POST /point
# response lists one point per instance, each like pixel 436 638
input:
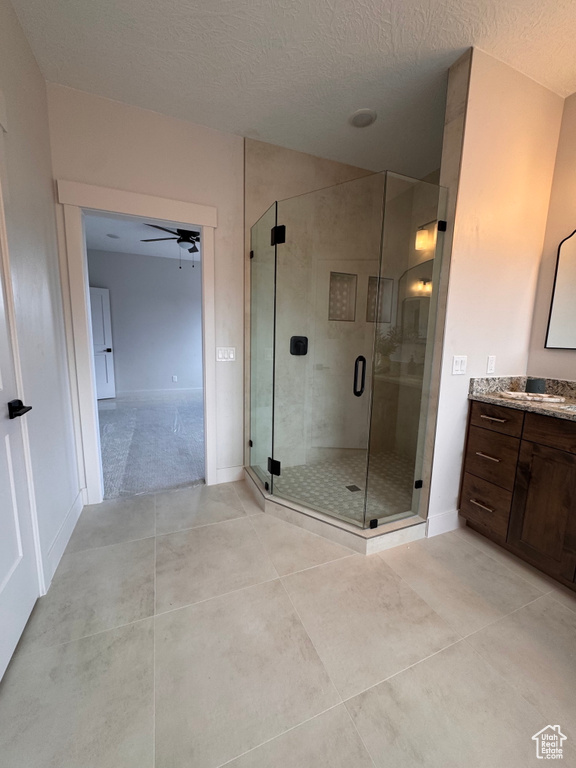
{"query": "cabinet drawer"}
pixel 492 456
pixel 485 503
pixel 498 418
pixel 547 430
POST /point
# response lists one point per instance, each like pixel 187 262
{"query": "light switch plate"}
pixel 491 364
pixel 225 354
pixel 459 363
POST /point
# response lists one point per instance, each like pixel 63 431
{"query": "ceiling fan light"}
pixel 184 244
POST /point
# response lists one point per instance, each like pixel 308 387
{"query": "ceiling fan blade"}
pixel 194 249
pixel 163 229
pixel 156 239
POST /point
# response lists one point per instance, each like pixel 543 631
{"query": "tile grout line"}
pixel 203 525
pixel 264 547
pixel 488 554
pixel 449 622
pixel 216 597
pixel 508 682
pixel 46 648
pixel 359 736
pixel 279 735
pixel 506 616
pixel 400 671
pixel 329 676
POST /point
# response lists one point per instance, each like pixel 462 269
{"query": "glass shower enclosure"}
pixel 343 314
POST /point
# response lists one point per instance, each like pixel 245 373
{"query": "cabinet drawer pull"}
pixel 482 506
pixel 493 418
pixel 485 456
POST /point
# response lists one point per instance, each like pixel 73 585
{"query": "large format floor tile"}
pixel 535 650
pixel 92 591
pixel 246 497
pixel 293 549
pixel 208 561
pixel 449 711
pixel 507 559
pixel 232 673
pixel 327 741
pixel 192 507
pixel 464 585
pixel 113 522
pixel 85 704
pixel 365 623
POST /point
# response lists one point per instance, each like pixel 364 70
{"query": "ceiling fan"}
pixel 183 237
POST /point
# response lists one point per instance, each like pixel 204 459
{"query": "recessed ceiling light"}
pixel 114 237
pixel 362 118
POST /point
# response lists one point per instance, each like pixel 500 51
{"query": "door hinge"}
pixel 418 484
pixel 250 443
pixel 442 226
pixel 274 466
pixel 251 254
pixel 278 234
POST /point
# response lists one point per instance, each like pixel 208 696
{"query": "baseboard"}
pixel 229 474
pixel 54 554
pixel 144 392
pixel 447 521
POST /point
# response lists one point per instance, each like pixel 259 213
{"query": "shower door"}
pixel 262 298
pixel 343 313
pixel 325 273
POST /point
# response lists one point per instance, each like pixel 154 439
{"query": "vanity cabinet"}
pixel 519 485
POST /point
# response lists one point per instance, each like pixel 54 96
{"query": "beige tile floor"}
pixel 189 630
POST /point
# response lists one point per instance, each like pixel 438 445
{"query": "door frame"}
pixel 76 199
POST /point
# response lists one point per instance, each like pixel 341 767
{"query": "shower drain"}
pixel 353 488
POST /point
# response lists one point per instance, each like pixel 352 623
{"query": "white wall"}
pixel 105 143
pixel 156 310
pixel 27 179
pixel 511 133
pixel 556 363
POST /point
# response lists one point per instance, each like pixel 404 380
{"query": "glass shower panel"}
pixel 262 297
pixel 323 293
pixel 405 315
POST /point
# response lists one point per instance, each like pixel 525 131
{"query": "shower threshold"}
pixel 366 541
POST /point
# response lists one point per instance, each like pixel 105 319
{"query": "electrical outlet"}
pixel 174 378
pixel 491 364
pixel 459 365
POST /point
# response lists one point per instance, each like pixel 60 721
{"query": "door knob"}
pixel 17 408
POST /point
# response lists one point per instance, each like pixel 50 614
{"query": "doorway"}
pixel 145 286
pixel 78 200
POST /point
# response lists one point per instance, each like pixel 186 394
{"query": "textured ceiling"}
pixel 290 72
pixel 129 232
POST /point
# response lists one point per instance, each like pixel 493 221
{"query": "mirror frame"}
pixel 559 253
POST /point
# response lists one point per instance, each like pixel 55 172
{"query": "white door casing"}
pixel 102 346
pixel 76 198
pixel 21 579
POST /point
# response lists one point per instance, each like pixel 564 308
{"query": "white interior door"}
pixel 102 343
pixel 19 586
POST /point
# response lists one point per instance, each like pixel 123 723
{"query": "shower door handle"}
pixel 360 361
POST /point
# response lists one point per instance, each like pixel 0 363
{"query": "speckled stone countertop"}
pixel 487 390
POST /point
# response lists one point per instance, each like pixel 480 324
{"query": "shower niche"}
pixel 341 428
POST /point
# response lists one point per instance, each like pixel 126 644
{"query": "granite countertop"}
pixel 488 390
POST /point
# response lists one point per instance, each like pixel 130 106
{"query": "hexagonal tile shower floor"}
pixel 325 486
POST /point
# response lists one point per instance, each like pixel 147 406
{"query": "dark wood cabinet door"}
pixel 543 518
